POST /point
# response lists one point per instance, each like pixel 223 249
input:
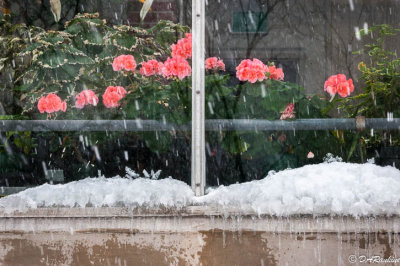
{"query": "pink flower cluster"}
pixel 86 97
pixel 339 84
pixel 124 62
pixel 288 112
pixel 255 70
pixel 176 67
pixel 251 71
pixel 183 48
pixel 213 63
pixel 276 73
pixel 51 103
pixel 151 68
pixel 113 95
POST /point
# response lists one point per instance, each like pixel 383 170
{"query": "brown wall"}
pixel 196 235
pixel 202 248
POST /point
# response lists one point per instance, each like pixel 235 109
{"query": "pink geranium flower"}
pixel 276 73
pixel 124 62
pixel 288 112
pixel 251 71
pixel 86 97
pixel 213 63
pixel 113 95
pixel 51 103
pixel 339 84
pixel 183 48
pixel 176 67
pixel 151 67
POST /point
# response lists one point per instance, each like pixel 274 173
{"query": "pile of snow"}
pixel 330 158
pixel 330 188
pixel 98 192
pixel 335 188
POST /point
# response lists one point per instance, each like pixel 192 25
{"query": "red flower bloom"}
pixel 151 67
pixel 213 152
pixel 51 103
pixel 282 137
pixel 176 66
pixel 124 62
pixel 251 70
pixel 86 97
pixel 339 84
pixel 112 95
pixel 183 48
pixel 288 112
pixel 213 63
pixel 276 73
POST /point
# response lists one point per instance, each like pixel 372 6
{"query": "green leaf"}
pixel 356 139
pixel 234 144
pixel 125 41
pixel 30 48
pixel 74 28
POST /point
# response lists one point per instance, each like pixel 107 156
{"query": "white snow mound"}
pixel 323 189
pixel 329 188
pixel 99 192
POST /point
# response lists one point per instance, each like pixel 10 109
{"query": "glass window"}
pixel 249 21
pixel 85 91
pixel 294 75
pixel 288 83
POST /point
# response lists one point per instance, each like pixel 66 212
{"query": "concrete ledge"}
pixel 195 235
pixel 189 219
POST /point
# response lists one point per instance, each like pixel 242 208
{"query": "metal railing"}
pixel 210 125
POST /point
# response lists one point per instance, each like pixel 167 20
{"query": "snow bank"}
pixel 335 188
pixel 330 188
pixel 102 191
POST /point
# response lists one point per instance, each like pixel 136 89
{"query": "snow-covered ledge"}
pixel 332 196
pixel 187 219
pixel 327 214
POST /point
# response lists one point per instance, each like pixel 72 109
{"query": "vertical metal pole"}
pixel 180 7
pixel 198 99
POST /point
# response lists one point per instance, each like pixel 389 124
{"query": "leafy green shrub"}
pixel 380 95
pixel 80 57
pixel 13 39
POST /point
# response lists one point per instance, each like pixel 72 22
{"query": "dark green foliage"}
pixel 13 39
pixel 380 93
pixel 381 76
pixel 252 154
pixel 80 57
